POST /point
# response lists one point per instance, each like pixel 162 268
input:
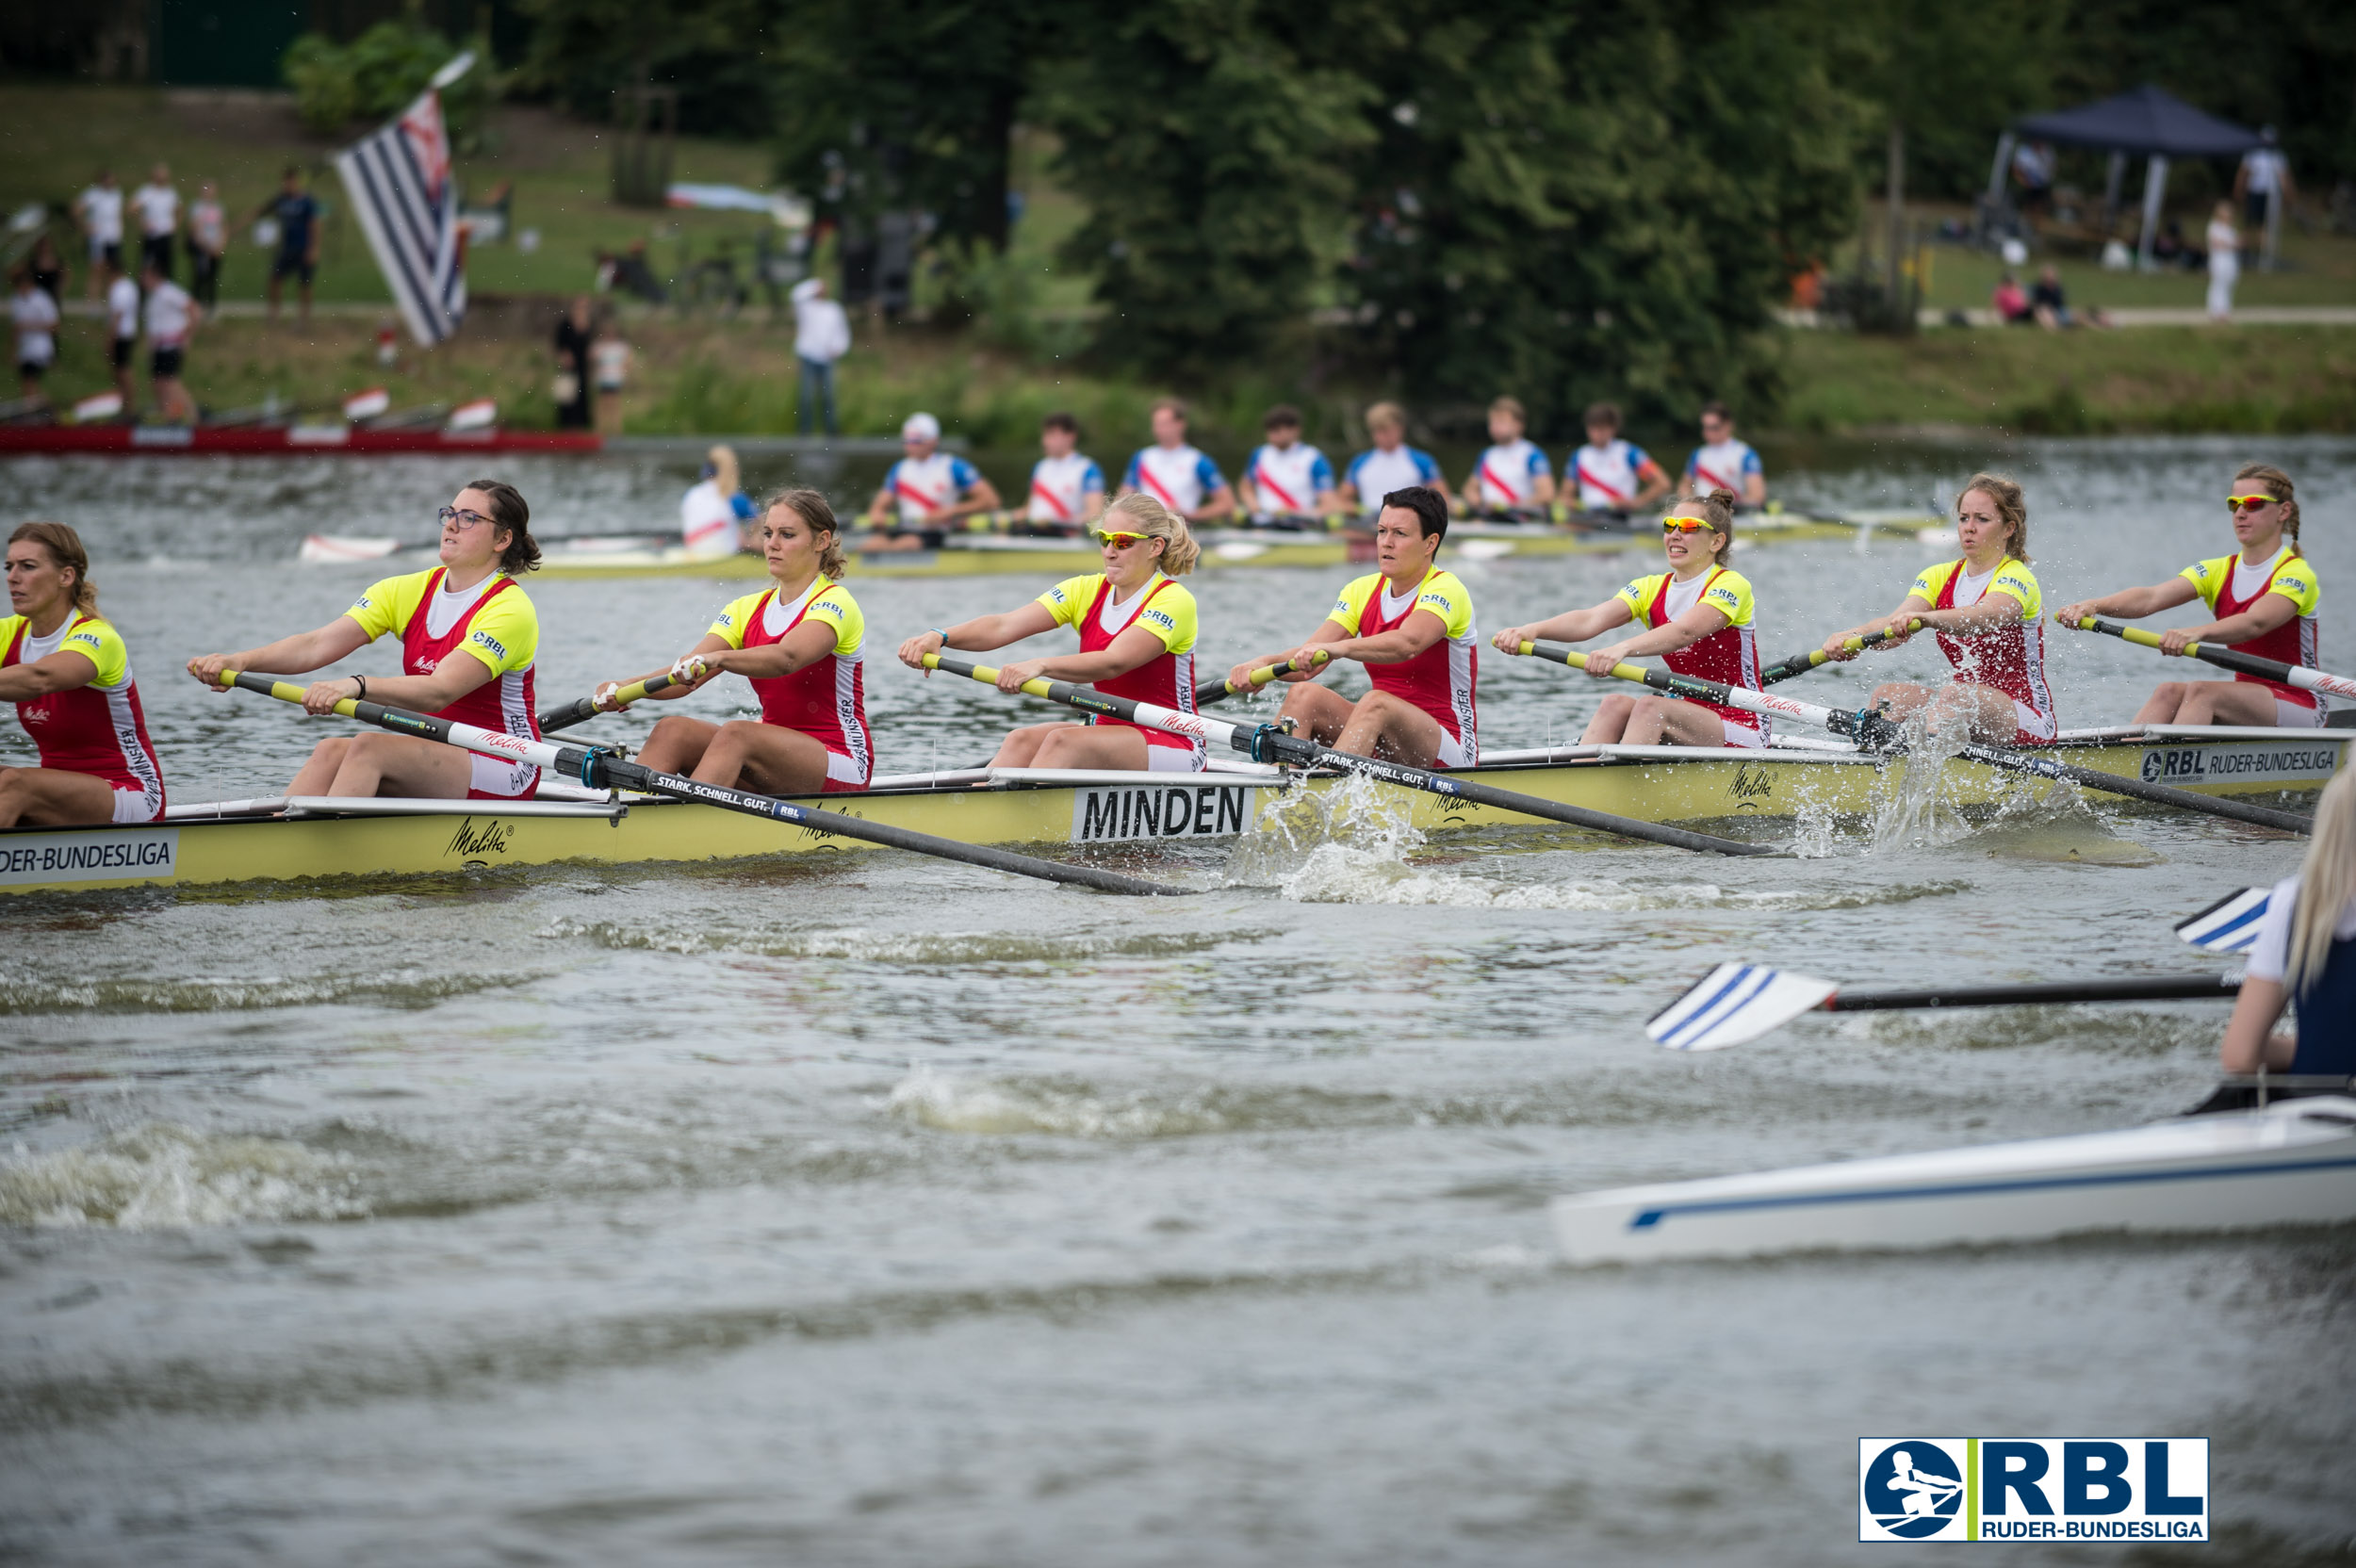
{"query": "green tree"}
pixel 715 53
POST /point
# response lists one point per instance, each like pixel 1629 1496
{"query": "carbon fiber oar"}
pixel 1221 688
pixel 582 709
pixel 1799 663
pixel 2227 659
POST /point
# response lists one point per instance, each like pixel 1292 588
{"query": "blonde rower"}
pixel 2265 596
pixel 70 676
pixel 469 641
pixel 1698 616
pixel 1138 629
pixel 1984 610
pixel 799 641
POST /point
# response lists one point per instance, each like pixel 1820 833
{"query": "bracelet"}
pixel 363 688
pixel 938 632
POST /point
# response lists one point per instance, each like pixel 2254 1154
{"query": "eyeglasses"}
pixel 1107 537
pixel 464 519
pixel 1683 525
pixel 2239 503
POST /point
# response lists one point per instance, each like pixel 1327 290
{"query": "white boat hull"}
pixel 2292 1163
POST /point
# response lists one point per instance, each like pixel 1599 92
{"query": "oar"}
pixel 1221 688
pixel 2226 659
pixel 581 710
pixel 1800 664
pixel 2229 924
pixel 1737 1003
pixel 1876 733
pixel 334 548
pixel 602 770
pixel 1267 744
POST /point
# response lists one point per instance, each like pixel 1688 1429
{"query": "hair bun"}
pixel 1724 496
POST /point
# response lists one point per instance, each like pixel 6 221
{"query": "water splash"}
pixel 162 1176
pixel 915 949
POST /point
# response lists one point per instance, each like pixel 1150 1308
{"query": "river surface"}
pixel 892 1212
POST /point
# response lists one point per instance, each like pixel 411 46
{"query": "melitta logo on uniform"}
pixel 2089 1489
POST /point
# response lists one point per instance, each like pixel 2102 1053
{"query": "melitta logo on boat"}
pixel 2215 764
pixel 123 854
pixel 2089 1489
pixel 1161 811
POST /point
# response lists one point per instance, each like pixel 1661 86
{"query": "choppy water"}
pixel 892 1211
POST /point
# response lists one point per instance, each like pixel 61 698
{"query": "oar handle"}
pixel 1869 727
pixel 1800 664
pixel 1217 690
pixel 581 710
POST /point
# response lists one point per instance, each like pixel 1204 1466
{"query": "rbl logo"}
pixel 2033 1488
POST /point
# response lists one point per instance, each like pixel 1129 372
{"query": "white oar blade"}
pixel 1735 1003
pixel 2229 925
pixel 329 547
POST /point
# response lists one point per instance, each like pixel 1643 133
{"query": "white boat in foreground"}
pixel 2292 1163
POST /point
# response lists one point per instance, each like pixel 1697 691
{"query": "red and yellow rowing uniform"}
pixel 493 623
pixel 2228 588
pixel 1162 608
pixel 1443 679
pixel 101 728
pixel 824 700
pixel 1728 656
pixel 2010 657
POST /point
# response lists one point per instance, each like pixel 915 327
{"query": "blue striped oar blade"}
pixel 1735 1003
pixel 2229 925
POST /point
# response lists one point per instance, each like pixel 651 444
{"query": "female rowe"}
pixel 2306 953
pixel 69 677
pixel 1138 629
pixel 2264 598
pixel 468 638
pixel 1984 610
pixel 799 641
pixel 1699 617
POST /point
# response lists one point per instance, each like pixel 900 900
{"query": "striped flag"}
pixel 403 192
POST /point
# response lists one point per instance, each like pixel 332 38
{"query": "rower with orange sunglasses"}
pixel 2263 597
pixel 1698 617
pixel 1138 629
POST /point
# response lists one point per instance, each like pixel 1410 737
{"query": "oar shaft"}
pixel 2156 987
pixel 1221 688
pixel 1866 727
pixel 581 710
pixel 1267 744
pixel 1800 664
pixel 2136 789
pixel 2229 658
pixel 600 770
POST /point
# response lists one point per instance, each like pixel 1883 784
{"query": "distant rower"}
pixel 1512 475
pixel 1287 477
pixel 799 641
pixel 469 638
pixel 1174 473
pixel 1983 609
pixel 930 488
pixel 1137 629
pixel 1611 474
pixel 1410 623
pixel 2265 597
pixel 1722 462
pixel 1391 465
pixel 1066 487
pixel 1698 616
pixel 70 676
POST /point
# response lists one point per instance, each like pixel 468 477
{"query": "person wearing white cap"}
pixel 822 335
pixel 932 489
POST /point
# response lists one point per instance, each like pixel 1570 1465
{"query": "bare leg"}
pixel 1661 721
pixel 52 797
pixel 769 757
pixel 1385 725
pixel 1610 722
pixel 403 765
pixel 2164 703
pixel 676 745
pixel 1319 713
pixel 2226 702
pixel 1021 748
pixel 1111 747
pixel 327 759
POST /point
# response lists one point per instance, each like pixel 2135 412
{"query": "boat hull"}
pixel 1667 784
pixel 2291 1164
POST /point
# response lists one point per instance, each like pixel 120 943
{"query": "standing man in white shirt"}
pixel 159 206
pixel 2263 184
pixel 1066 487
pixel 36 317
pixel 99 212
pixel 1722 462
pixel 1288 478
pixel 171 322
pixel 1174 473
pixel 1610 474
pixel 122 327
pixel 822 335
pixel 1512 475
pixel 208 242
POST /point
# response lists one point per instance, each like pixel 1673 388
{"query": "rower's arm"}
pixel 712 642
pixel 452 678
pixel 984 632
pixel 2271 611
pixel 1696 623
pixel 1091 505
pixel 805 644
pixel 62 671
pixel 300 654
pixel 2134 603
pixel 1542 490
pixel 1575 626
pixel 1909 609
pixel 1217 505
pixel 1996 608
pixel 2250 1041
pixel 1753 489
pixel 983 497
pixel 1133 650
pixel 879 506
pixel 1418 631
pixel 1652 482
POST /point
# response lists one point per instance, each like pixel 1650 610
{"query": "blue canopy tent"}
pixel 2147 122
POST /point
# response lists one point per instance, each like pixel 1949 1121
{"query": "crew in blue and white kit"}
pixel 1066 487
pixel 1176 474
pixel 1287 477
pixel 1390 464
pixel 1512 475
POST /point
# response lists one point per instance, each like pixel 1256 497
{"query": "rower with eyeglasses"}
pixel 2263 596
pixel 1137 629
pixel 1699 617
pixel 471 604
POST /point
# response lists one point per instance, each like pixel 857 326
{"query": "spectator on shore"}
pixel 208 242
pixel 122 328
pixel 2263 172
pixel 2011 301
pixel 822 335
pixel 712 515
pixel 575 332
pixel 98 213
pixel 171 322
pixel 159 206
pixel 297 217
pixel 611 358
pixel 2048 304
pixel 930 488
pixel 1389 464
pixel 47 268
pixel 2033 171
pixel 1722 462
pixel 2224 261
pixel 36 317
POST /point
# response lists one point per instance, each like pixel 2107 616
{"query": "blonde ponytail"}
pixel 2327 880
pixel 2279 485
pixel 1140 513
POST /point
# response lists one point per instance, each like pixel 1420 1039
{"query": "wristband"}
pixel 363 694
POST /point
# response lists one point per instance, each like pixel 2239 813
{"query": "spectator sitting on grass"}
pixel 2012 305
